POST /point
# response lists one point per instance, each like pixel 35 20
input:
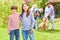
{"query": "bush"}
pixel 5 10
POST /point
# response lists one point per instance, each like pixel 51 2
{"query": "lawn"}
pixel 39 35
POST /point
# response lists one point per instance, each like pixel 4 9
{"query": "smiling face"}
pixel 25 7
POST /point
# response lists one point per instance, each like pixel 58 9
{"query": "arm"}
pixel 51 10
pixel 32 21
pixel 48 15
pixel 36 14
pixel 9 20
pixel 20 16
pixel 47 12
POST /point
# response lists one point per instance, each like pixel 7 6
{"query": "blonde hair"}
pixel 41 9
pixel 35 5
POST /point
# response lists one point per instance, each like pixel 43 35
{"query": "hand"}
pixel 31 31
pixel 36 14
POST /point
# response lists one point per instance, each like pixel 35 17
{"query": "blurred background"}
pixel 6 4
pixel 5 10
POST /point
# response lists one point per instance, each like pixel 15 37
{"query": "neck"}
pixel 25 11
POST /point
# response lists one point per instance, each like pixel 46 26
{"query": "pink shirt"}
pixel 13 22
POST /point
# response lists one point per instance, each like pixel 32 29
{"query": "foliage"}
pixel 40 3
pixel 57 10
pixel 38 34
pixel 5 10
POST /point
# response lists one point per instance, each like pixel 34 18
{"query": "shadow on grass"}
pixel 49 31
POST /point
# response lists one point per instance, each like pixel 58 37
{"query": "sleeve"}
pixel 45 9
pixel 50 10
pixel 20 18
pixel 9 20
pixel 32 20
pixel 45 12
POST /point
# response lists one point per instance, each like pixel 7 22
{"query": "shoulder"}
pixel 52 6
pixel 9 17
pixel 31 13
pixel 46 8
pixel 18 14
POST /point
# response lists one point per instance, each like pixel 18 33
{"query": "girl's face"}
pixel 25 7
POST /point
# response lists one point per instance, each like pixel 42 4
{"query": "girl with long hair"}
pixel 27 22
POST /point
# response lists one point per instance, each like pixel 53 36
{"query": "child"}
pixel 27 22
pixel 13 24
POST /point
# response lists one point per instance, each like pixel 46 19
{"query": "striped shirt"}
pixel 13 22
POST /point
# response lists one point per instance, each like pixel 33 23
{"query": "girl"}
pixel 27 22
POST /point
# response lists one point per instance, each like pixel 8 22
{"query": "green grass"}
pixel 38 34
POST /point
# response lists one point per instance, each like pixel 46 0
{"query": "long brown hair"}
pixel 28 12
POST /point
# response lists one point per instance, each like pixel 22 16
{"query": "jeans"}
pixel 26 34
pixel 52 21
pixel 36 23
pixel 14 33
